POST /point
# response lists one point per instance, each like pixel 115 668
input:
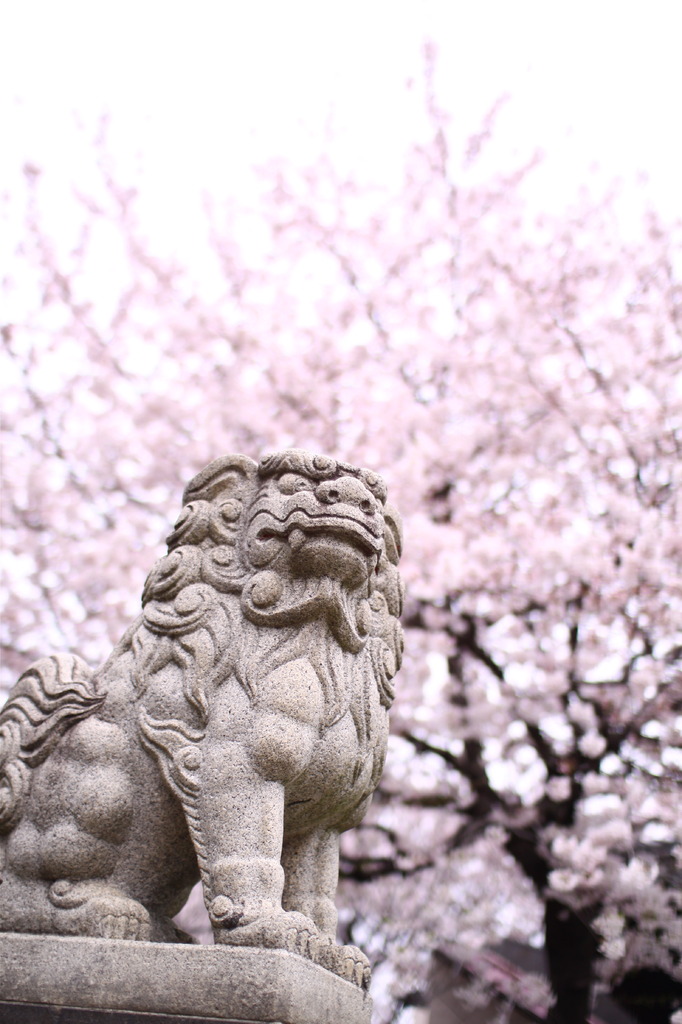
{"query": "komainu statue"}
pixel 238 727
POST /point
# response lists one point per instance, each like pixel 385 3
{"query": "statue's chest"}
pixel 343 772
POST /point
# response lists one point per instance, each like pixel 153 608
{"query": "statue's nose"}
pixel 346 491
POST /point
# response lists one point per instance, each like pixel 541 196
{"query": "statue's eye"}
pixel 289 483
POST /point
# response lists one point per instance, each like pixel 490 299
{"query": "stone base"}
pixel 64 980
pixel 40 1013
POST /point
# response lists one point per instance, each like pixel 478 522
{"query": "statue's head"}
pixel 297 536
pixel 313 516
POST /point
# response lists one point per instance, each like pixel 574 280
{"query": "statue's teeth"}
pixel 296 539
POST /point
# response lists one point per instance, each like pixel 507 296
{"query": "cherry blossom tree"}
pixel 518 380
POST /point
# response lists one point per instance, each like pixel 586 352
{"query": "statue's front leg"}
pixel 311 868
pixel 240 810
pixel 311 874
pixel 238 835
pixel 231 780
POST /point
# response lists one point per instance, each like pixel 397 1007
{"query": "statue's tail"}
pixel 51 695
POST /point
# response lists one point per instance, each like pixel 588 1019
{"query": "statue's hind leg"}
pixel 98 908
pixel 60 857
pixel 31 901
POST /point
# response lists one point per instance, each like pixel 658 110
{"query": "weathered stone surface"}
pixel 237 729
pixel 259 985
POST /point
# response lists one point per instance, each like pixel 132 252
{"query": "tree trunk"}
pixel 571 952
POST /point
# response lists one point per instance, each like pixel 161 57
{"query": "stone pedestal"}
pixel 47 979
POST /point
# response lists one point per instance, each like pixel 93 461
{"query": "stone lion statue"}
pixel 237 729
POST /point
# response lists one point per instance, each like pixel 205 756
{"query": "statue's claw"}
pixel 123 926
pixel 348 962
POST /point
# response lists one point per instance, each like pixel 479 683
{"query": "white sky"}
pixel 200 90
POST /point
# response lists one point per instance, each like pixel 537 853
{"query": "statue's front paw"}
pixel 276 930
pixel 348 962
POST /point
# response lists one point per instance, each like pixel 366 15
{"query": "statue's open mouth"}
pixel 301 526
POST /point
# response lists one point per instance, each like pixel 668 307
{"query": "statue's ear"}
pixel 230 476
pixel 393 534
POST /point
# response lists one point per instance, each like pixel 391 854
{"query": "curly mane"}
pixel 196 614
